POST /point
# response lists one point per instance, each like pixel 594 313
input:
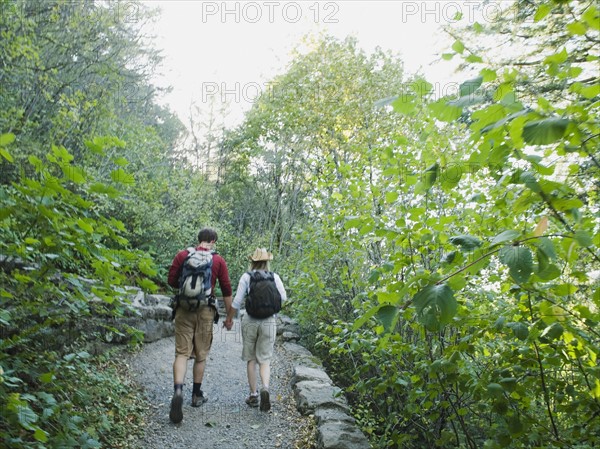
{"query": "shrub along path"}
pixel 225 421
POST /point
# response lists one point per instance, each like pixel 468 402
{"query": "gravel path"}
pixel 225 421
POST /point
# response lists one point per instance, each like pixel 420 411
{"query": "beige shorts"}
pixel 258 338
pixel 194 332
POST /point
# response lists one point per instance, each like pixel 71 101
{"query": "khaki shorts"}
pixel 258 338
pixel 194 332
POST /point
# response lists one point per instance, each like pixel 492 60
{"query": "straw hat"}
pixel 261 254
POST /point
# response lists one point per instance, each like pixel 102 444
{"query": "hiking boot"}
pixel 198 400
pixel 265 402
pixel 252 400
pixel 176 414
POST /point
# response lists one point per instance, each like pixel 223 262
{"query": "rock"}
pixel 301 355
pixel 287 324
pixel 155 300
pixel 137 298
pixel 341 435
pixel 155 330
pixel 324 414
pixel 290 336
pixel 303 373
pixel 296 350
pixel 311 394
pixel 160 312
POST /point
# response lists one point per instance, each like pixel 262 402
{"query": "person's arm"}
pixel 240 294
pixel 175 270
pixel 221 273
pixel 280 287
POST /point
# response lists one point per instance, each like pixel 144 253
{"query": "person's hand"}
pixel 228 323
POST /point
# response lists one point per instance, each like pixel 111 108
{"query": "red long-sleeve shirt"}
pixel 219 271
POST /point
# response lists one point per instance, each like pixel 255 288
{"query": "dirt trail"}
pixel 225 421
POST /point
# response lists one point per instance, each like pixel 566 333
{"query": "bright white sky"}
pixel 233 48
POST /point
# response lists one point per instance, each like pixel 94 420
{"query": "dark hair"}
pixel 207 235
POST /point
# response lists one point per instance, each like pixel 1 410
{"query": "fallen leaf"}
pixel 541 227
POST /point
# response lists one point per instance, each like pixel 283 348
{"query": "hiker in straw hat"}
pixel 264 293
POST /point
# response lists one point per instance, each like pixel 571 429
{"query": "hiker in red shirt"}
pixel 194 326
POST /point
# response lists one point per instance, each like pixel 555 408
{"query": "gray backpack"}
pixel 195 281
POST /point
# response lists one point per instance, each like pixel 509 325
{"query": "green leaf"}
pixel 467 100
pixel 374 276
pixel 85 226
pixel 530 181
pixel 6 139
pixel 95 146
pixel 430 175
pixel 546 131
pixel 391 197
pixel 421 87
pixel 107 190
pixel 36 162
pixel 506 236
pixel 387 315
pixel 447 56
pixel 147 267
pixel 474 59
pixel 520 330
pixel 499 323
pixel 509 383
pixel 592 17
pixel 147 285
pixel 451 176
pixel 590 92
pixel 458 46
pixel 457 283
pixel 435 306
pixel 553 332
pixel 488 115
pixel 62 153
pixel 366 316
pixel 470 86
pixel 26 416
pixel 577 28
pixel 583 238
pixel 122 176
pixel 548 273
pixel 353 223
pixel 405 104
pixel 6 155
pixel 74 174
pixel 47 377
pixel 495 390
pixel 542 11
pixel 564 289
pixel 466 242
pixel 444 111
pixel 557 58
pixel 488 75
pixel 121 161
pixel 40 435
pixel 519 261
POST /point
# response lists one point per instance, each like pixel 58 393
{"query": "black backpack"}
pixel 263 300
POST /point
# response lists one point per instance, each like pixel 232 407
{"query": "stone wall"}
pixel 317 395
pixel 151 315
